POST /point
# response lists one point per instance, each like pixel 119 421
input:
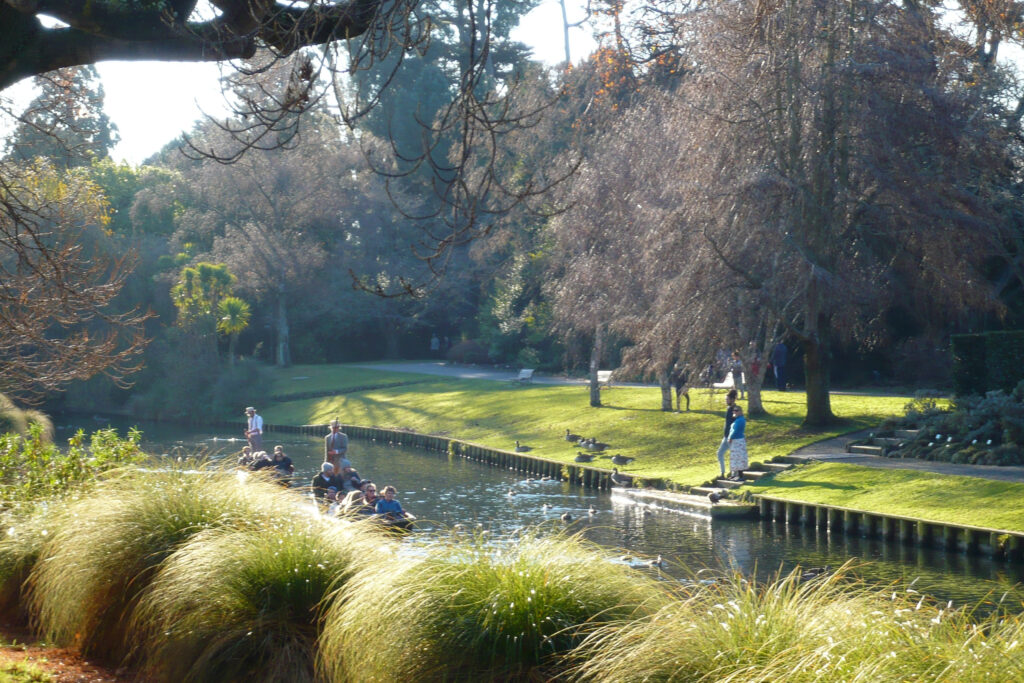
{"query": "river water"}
pixel 444 491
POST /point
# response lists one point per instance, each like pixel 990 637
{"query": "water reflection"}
pixel 445 492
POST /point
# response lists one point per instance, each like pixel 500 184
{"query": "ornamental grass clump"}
pixel 829 628
pixel 104 549
pixel 21 540
pixel 469 611
pixel 234 605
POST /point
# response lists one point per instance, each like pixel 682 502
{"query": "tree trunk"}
pixel 595 365
pixel 565 33
pixel 665 382
pixel 284 353
pixel 232 345
pixel 816 378
pixel 392 348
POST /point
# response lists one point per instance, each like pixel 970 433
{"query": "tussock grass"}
pixel 828 629
pixel 234 605
pixel 105 547
pixel 473 612
pixel 22 536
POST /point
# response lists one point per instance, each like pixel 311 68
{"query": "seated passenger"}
pixel 323 481
pixel 349 479
pixel 388 507
pixel 261 459
pixel 333 502
pixel 245 458
pixel 282 463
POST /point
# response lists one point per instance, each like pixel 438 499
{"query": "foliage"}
pixel 234 604
pixel 23 672
pixel 107 546
pixel 976 430
pixel 468 351
pixel 470 611
pixel 989 361
pixel 830 628
pixel 32 467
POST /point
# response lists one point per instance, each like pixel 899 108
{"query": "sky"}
pixel 153 102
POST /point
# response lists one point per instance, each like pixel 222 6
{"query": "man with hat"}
pixel 335 445
pixel 254 429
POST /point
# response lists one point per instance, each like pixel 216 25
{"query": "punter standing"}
pixel 335 446
pixel 254 430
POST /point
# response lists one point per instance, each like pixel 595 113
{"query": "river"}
pixel 444 491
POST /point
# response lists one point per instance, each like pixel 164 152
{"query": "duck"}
pixel 714 497
pixel 572 438
pixel 814 572
pixel 619 459
pixel 520 448
pixel 584 457
pixel 511 492
pixel 619 479
pixel 566 517
pixel 592 511
pixel 593 444
pixel 545 506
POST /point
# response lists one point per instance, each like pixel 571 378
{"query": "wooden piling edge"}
pixel 999 544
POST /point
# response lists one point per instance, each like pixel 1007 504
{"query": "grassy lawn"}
pixel 961 500
pixel 302 379
pixel 676 446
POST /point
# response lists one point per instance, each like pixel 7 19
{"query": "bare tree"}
pixel 58 283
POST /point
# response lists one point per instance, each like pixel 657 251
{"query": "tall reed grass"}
pixel 234 605
pixel 21 541
pixel 469 611
pixel 106 547
pixel 828 629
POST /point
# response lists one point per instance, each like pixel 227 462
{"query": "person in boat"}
pixel 388 507
pixel 245 459
pixel 333 501
pixel 349 478
pixel 261 460
pixel 335 446
pixel 323 481
pixel 282 463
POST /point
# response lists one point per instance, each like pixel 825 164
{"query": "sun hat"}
pixel 250 409
pixel 327 467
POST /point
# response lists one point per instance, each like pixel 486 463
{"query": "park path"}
pixel 827 450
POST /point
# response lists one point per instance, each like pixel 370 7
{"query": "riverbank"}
pixel 676 447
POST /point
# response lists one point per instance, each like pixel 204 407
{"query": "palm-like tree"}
pixel 234 315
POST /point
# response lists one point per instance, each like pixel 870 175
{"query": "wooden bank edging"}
pixel 995 543
pixel 589 477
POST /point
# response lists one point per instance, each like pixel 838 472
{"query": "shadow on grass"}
pixel 789 484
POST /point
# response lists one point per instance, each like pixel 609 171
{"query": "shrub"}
pixel 826 629
pixel 105 548
pixel 32 467
pixel 468 351
pixel 234 605
pixel 470 612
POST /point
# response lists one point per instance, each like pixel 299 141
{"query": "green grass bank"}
pixel 677 447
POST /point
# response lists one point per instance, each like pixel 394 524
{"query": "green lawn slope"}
pixel 679 447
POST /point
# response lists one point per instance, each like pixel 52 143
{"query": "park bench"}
pixel 727 383
pixel 604 378
pixel 525 375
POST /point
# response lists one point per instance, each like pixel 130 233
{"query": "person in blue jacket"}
pixel 389 507
pixel 738 444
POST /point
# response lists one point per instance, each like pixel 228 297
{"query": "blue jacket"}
pixel 392 507
pixel 739 425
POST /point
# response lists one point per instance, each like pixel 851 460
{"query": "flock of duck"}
pixel 596 447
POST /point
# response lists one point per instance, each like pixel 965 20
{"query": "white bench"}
pixel 525 375
pixel 604 378
pixel 727 383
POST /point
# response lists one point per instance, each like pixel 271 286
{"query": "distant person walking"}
pixel 730 402
pixel 738 379
pixel 435 346
pixel 779 365
pixel 737 444
pixel 335 446
pixel 254 430
pixel 679 379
